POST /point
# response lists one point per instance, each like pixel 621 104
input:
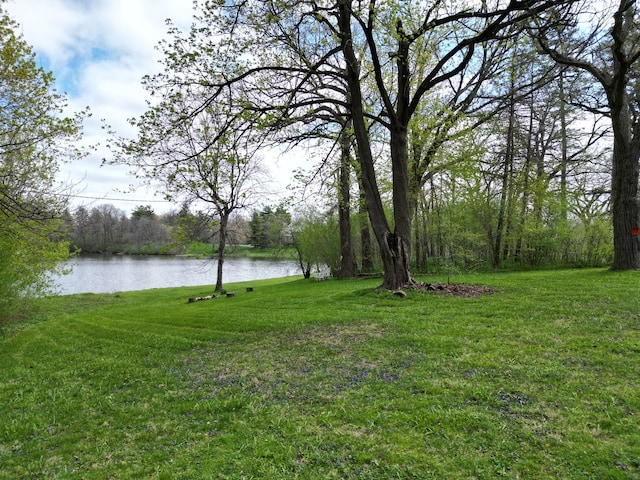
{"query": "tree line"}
pixel 105 229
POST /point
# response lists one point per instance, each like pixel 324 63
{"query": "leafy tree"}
pixel 142 211
pixel 200 158
pixel 609 49
pixel 191 227
pixel 34 137
pixel 317 242
pixel 360 58
pixel 269 227
pixel 147 234
pixel 404 33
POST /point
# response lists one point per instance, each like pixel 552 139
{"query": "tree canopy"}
pixel 373 64
pixel 35 136
pixel 607 47
pixel 433 108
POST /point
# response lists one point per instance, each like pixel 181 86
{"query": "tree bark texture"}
pixel 394 246
pixel 347 260
pixel 626 147
pixel 224 221
pixel 624 195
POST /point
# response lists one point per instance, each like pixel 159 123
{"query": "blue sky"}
pixel 99 50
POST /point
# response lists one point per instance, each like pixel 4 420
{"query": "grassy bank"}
pixel 329 380
pixel 206 250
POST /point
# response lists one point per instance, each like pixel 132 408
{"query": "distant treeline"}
pixel 455 240
pixel 107 229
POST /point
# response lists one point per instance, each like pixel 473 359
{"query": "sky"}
pixel 99 50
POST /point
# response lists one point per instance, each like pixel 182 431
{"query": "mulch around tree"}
pixel 453 289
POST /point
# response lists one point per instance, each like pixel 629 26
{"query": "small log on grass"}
pixel 249 289
pixel 197 299
pixel 231 294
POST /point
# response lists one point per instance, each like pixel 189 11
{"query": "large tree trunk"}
pixel 626 145
pixel 399 242
pixel 366 264
pixel 394 246
pixel 624 195
pixel 624 174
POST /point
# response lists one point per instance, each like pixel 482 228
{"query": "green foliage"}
pixel 27 256
pixel 317 240
pixel 270 227
pixel 329 380
pixel 191 227
pixel 200 249
pixel 142 211
pixel 206 250
pixel 34 137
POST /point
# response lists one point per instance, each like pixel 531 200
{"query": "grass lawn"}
pixel 330 380
pixel 231 251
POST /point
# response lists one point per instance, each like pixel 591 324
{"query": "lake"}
pixel 118 273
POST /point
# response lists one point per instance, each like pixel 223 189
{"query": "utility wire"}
pixel 86 197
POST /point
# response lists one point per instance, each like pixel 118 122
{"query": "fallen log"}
pixel 197 299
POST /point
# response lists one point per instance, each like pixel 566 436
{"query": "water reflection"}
pixel 117 273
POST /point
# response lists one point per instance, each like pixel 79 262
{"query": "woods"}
pixel 609 52
pixel 489 140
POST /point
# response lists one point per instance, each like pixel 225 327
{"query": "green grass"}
pixel 330 380
pixel 206 250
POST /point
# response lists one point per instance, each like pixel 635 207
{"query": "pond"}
pixel 118 273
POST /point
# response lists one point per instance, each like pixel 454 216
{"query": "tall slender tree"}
pixel 203 158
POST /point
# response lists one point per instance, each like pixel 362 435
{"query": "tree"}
pixel 147 234
pixel 610 52
pixel 316 239
pixel 143 211
pixel 191 227
pixel 269 227
pixel 332 57
pixel 347 258
pixel 199 159
pixel 34 137
pixel 401 33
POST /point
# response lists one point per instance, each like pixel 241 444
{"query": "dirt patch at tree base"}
pixel 453 289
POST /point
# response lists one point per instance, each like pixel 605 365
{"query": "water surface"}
pixel 118 273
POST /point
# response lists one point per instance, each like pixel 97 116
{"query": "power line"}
pixel 87 197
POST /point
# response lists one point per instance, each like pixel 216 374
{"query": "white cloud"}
pixel 99 50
